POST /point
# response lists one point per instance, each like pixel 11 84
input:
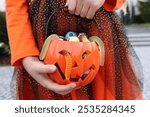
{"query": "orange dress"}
pixel 17 14
pixel 26 39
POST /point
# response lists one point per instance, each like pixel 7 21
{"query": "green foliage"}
pixel 4 45
pixel 145 10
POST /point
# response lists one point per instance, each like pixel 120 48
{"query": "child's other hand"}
pixel 38 70
pixel 84 8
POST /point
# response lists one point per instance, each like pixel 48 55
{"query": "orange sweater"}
pixel 21 38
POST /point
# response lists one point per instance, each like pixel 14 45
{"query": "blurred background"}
pixel 135 14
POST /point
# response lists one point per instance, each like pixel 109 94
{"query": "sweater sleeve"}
pixel 111 5
pixel 20 34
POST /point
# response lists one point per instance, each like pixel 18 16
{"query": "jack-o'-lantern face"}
pixel 80 59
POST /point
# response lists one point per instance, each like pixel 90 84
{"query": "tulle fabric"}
pixel 121 76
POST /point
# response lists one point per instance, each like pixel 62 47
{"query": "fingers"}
pixel 84 8
pixel 91 13
pixel 67 3
pixel 79 7
pixel 44 69
pixel 63 89
pixel 72 6
pixel 46 82
pixel 38 66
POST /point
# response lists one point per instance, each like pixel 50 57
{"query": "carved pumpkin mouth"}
pixel 76 79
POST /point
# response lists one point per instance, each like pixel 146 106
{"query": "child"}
pixel 28 26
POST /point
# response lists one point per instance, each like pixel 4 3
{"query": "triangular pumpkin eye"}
pixel 64 52
pixel 85 54
pixel 74 64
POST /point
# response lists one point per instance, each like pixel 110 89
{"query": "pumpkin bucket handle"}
pixel 66 9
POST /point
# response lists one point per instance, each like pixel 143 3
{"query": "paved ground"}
pixel 7 84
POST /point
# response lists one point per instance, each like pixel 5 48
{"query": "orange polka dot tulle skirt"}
pixel 119 79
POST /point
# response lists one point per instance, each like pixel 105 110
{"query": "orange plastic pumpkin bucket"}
pixel 76 62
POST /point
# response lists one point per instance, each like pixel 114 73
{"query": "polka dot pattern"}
pixel 119 76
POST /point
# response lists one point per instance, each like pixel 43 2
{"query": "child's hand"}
pixel 38 70
pixel 84 8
